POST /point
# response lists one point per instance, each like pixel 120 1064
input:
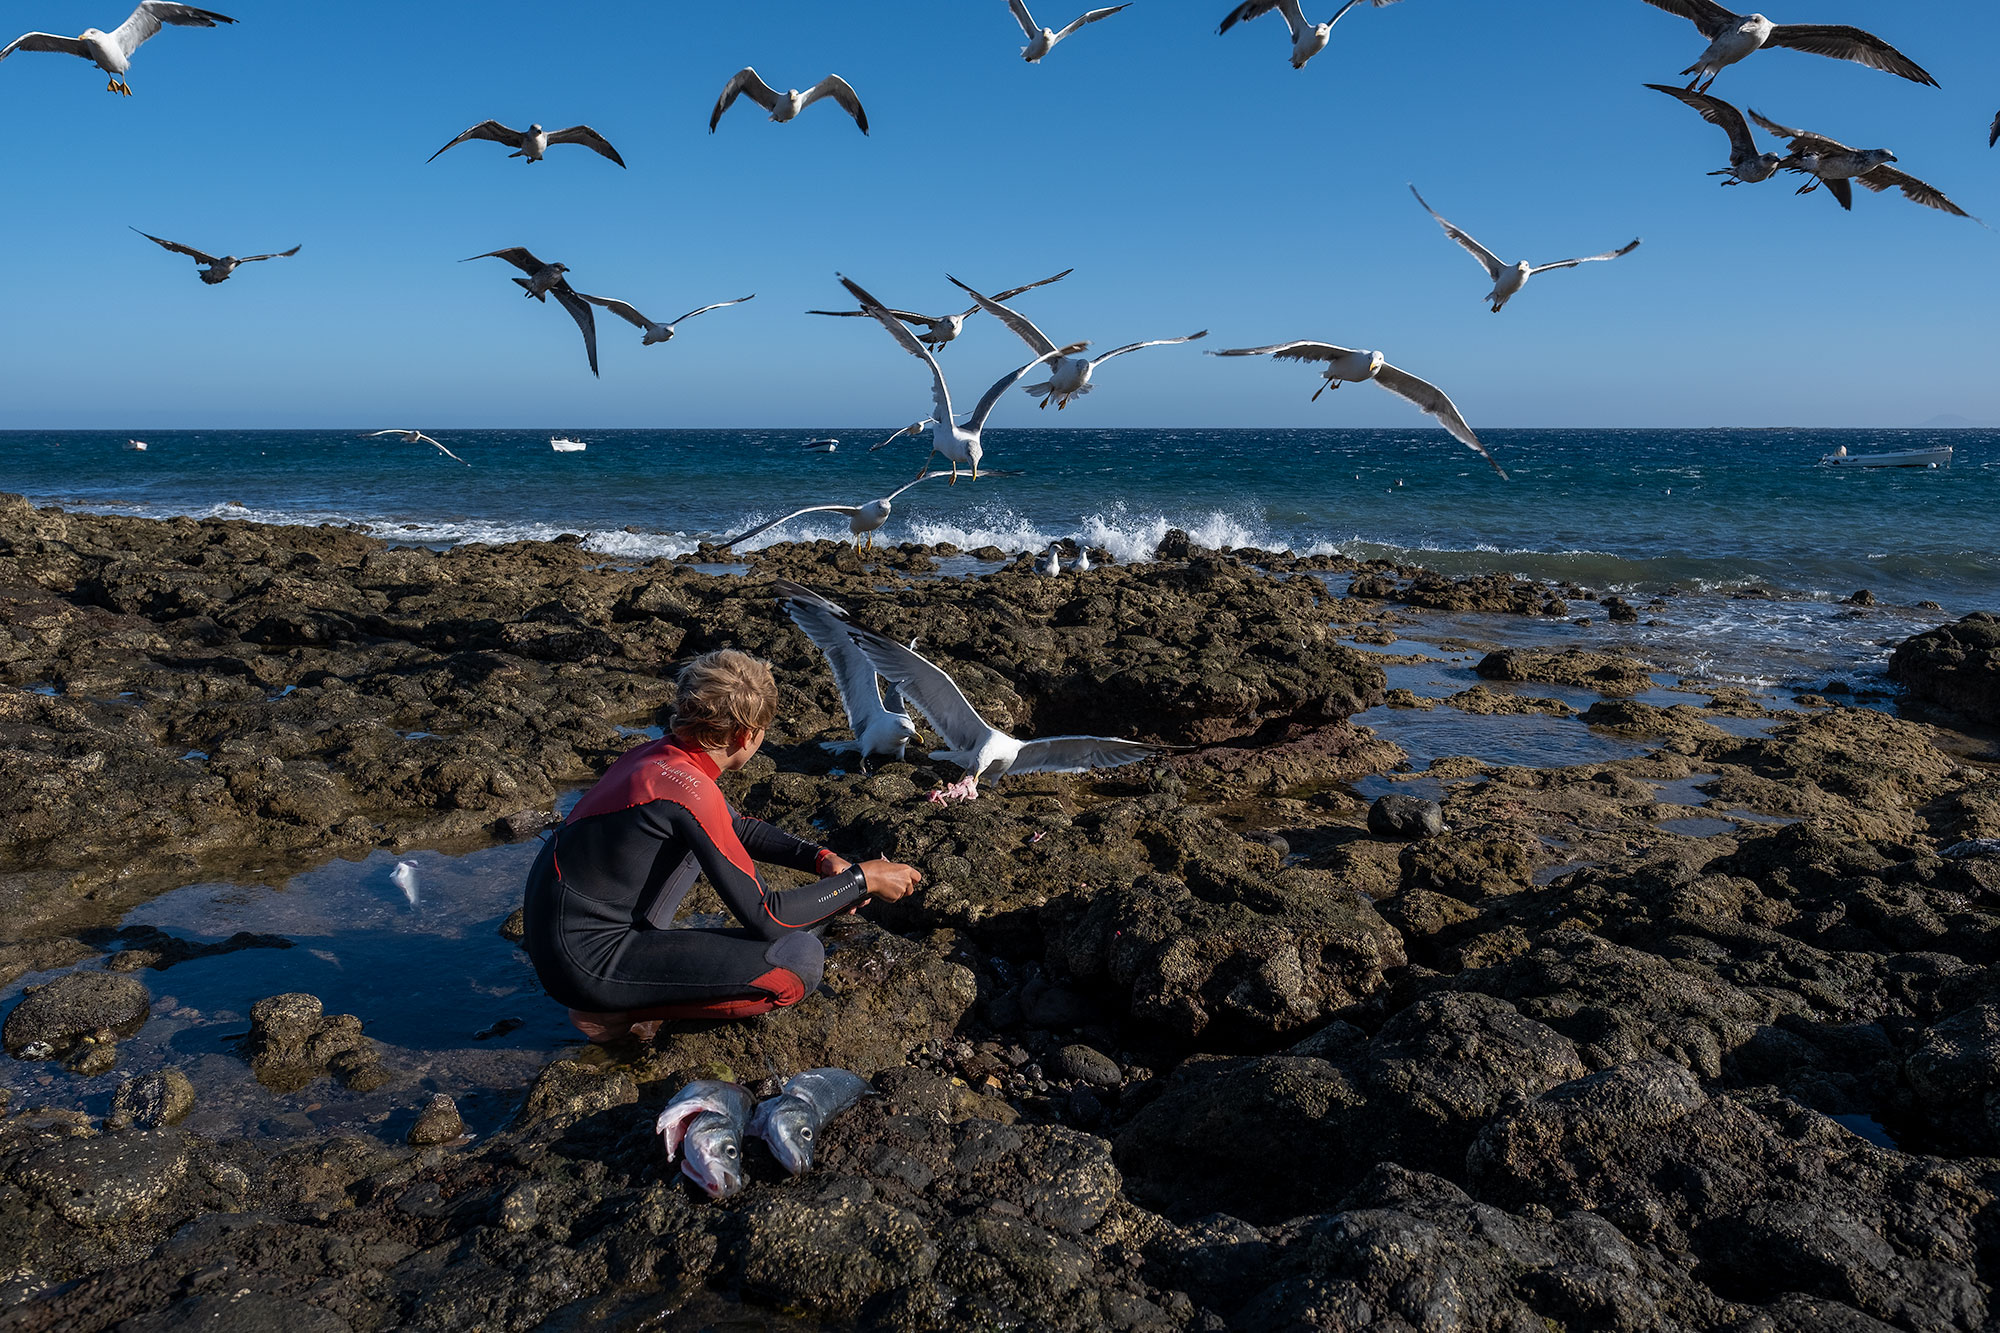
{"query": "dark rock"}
pixel 565 1092
pixel 1398 816
pixel 106 1181
pixel 1862 597
pixel 151 1101
pixel 831 1249
pixel 293 1041
pixel 1603 672
pixel 1089 1066
pixel 515 927
pixel 54 1018
pixel 1620 611
pixel 1955 667
pixel 438 1122
pixel 1174 545
pixel 527 823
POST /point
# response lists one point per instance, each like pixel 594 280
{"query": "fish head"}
pixel 713 1155
pixel 785 1123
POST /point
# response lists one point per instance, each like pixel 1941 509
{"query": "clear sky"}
pixel 1192 180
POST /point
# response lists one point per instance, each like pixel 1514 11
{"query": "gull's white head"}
pixel 975 451
pixel 1375 362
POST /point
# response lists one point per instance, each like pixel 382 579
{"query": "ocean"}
pixel 1706 513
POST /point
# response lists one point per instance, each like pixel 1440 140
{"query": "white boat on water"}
pixel 136 446
pixel 820 446
pixel 566 446
pixel 1937 457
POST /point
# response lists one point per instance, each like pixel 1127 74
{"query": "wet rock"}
pixel 829 1250
pixel 527 823
pixel 515 927
pixel 1620 611
pixel 1861 597
pixel 566 1091
pixel 151 947
pixel 55 1017
pixel 438 1122
pixel 106 1181
pixel 151 1101
pixel 1398 816
pixel 1954 667
pixel 1089 1066
pixel 293 1041
pixel 1603 672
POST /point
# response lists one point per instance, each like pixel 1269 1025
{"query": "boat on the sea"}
pixel 563 445
pixel 136 446
pixel 1938 457
pixel 820 446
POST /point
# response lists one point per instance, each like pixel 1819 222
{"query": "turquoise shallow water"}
pixel 1620 510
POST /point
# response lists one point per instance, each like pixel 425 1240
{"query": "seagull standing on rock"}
pixel 1509 279
pixel 786 105
pixel 1346 365
pixel 1050 563
pixel 1308 39
pixel 1746 166
pixel 534 141
pixel 112 51
pixel 1042 40
pixel 215 268
pixel 1732 37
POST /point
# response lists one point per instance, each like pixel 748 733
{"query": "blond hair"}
pixel 721 693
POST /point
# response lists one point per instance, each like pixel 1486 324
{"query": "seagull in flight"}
pixel 534 141
pixel 786 105
pixel 416 437
pixel 1834 165
pixel 214 269
pixel 1345 365
pixel 975 745
pixel 1509 279
pixel 1069 376
pixel 876 717
pixel 913 428
pixel 1308 39
pixel 112 51
pixel 1042 40
pixel 862 519
pixel 656 333
pixel 959 444
pixel 543 279
pixel 1731 37
pixel 941 329
pixel 1746 166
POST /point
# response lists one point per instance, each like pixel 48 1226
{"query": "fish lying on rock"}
pixel 790 1122
pixel 703 1125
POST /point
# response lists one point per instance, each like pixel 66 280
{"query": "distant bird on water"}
pixel 1509 279
pixel 215 269
pixel 1834 165
pixel 941 329
pixel 1345 365
pixel 1069 376
pixel 543 279
pixel 1746 166
pixel 656 333
pixel 1732 37
pixel 960 444
pixel 1308 39
pixel 112 51
pixel 416 437
pixel 1042 40
pixel 786 105
pixel 534 141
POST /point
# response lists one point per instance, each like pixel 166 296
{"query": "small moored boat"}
pixel 1937 457
pixel 136 446
pixel 566 446
pixel 820 446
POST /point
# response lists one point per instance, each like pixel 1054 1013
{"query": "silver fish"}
pixel 706 1118
pixel 790 1122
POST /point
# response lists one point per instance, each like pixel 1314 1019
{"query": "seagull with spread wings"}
pixel 959 444
pixel 1834 165
pixel 786 105
pixel 534 141
pixel 913 428
pixel 416 437
pixel 970 741
pixel 112 51
pixel 1069 376
pixel 656 333
pixel 544 279
pixel 1345 365
pixel 1042 40
pixel 941 329
pixel 214 268
pixel 862 519
pixel 876 717
pixel 1746 166
pixel 1509 279
pixel 1732 37
pixel 1308 39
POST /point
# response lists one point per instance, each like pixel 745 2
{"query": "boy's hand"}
pixel 890 880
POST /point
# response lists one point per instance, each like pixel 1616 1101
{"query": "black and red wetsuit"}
pixel 603 894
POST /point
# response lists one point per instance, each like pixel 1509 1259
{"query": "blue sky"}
pixel 1192 181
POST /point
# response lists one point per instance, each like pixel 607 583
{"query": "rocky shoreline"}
pixel 1191 1045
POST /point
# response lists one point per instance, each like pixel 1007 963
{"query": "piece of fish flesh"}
pixel 703 1126
pixel 790 1122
